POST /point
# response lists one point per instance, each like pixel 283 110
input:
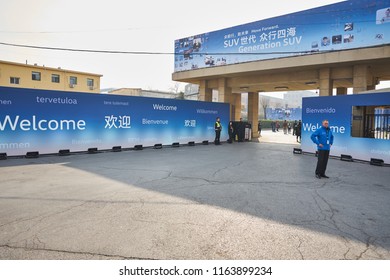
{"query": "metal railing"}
pixel 377 126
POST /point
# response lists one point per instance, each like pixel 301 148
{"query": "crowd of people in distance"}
pixel 295 126
pixel 236 130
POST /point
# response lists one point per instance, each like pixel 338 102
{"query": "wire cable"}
pixel 144 52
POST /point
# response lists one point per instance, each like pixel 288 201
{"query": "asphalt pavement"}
pixel 252 200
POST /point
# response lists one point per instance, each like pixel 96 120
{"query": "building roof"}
pixel 48 68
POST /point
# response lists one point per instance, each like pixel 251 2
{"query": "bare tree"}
pixel 264 103
pixel 175 88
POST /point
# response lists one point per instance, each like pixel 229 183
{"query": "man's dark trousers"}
pixel 217 137
pixel 322 162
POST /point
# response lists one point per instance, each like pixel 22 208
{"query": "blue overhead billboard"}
pixel 360 124
pixel 47 121
pixel 345 25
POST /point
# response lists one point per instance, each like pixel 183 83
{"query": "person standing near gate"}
pixel 298 131
pixel 295 127
pixel 259 128
pixel 323 137
pixel 231 132
pixel 285 127
pixel 240 130
pixel 218 129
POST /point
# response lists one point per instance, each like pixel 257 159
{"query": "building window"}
pixel 14 80
pixel 55 78
pixel 36 76
pixel 73 80
pixel 90 83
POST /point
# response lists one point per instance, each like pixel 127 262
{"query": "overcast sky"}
pixel 123 25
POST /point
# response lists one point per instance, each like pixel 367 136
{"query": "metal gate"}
pixel 377 126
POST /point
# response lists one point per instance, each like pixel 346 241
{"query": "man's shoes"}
pixel 318 176
pixel 324 176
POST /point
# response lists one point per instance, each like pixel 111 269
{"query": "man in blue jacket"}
pixel 323 137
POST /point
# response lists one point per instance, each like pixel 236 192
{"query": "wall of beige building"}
pixel 47 78
pixel 152 93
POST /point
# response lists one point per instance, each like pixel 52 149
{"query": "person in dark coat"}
pixel 259 128
pixel 295 127
pixel 241 131
pixel 299 131
pixel 231 132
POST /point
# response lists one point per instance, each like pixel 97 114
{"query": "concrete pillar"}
pixel 205 93
pixel 326 83
pixel 225 94
pixel 342 90
pixel 237 106
pixel 253 112
pixel 359 78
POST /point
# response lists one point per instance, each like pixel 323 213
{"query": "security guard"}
pixel 218 129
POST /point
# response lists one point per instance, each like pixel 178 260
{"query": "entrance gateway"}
pixel 307 50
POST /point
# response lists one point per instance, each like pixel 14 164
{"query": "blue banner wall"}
pixel 47 121
pixel 345 25
pixel 338 110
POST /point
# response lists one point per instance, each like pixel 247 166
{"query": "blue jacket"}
pixel 322 136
